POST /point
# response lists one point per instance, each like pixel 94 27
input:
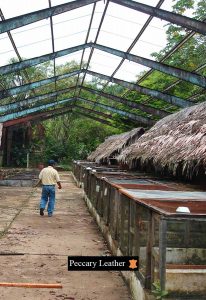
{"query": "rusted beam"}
pixel 96 119
pixel 23 103
pixel 35 16
pixel 132 104
pixel 146 24
pixel 37 115
pixel 25 112
pixel 86 40
pixel 40 59
pixel 44 118
pixel 66 111
pixel 107 116
pixel 173 71
pixel 32 285
pixel 154 93
pixel 36 84
pixel 177 72
pixel 171 17
pixel 26 102
pixel 93 111
pixel 14 46
pixel 49 113
pixel 134 117
pixel 95 40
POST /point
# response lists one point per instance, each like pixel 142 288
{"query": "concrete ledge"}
pixel 17 182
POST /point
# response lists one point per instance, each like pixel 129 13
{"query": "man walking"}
pixel 49 177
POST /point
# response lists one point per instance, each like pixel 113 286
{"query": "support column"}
pixel 9 145
pixel 2 130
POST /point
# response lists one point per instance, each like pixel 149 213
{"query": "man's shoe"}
pixel 41 211
pixel 49 215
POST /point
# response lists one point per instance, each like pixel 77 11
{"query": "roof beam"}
pixel 131 116
pixel 132 104
pixel 145 108
pixel 50 114
pixel 25 112
pixel 171 17
pixel 86 40
pixel 36 84
pixel 96 119
pixel 36 115
pixel 13 116
pixel 44 118
pixel 100 113
pixel 154 93
pixel 139 34
pixel 177 72
pixel 22 103
pixel 95 40
pixel 40 59
pixel 86 115
pixel 35 16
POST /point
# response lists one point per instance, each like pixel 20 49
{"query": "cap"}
pixel 51 162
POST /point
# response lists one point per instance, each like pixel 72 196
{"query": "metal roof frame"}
pixel 193 77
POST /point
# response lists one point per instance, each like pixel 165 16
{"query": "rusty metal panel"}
pixel 157 187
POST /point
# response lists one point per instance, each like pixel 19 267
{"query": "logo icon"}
pixel 133 264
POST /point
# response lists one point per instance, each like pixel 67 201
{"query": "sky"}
pixel 120 27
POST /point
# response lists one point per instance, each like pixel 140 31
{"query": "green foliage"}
pixel 189 56
pixel 157 292
pixel 72 137
pixel 19 156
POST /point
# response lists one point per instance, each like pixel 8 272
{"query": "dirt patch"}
pixel 40 246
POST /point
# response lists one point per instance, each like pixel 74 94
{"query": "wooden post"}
pixel 8 146
pixel 162 252
pixel 149 251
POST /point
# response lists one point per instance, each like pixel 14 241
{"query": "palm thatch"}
pixel 176 145
pixel 114 144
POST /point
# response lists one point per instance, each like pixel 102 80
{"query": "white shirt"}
pixel 49 176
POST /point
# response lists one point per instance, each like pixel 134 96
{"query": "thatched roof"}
pixel 176 145
pixel 114 144
pixel 1 128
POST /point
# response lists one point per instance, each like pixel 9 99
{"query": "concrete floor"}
pixel 46 243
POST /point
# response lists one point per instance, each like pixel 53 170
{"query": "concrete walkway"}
pixel 46 243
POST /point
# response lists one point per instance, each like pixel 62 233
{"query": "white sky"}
pixel 120 27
